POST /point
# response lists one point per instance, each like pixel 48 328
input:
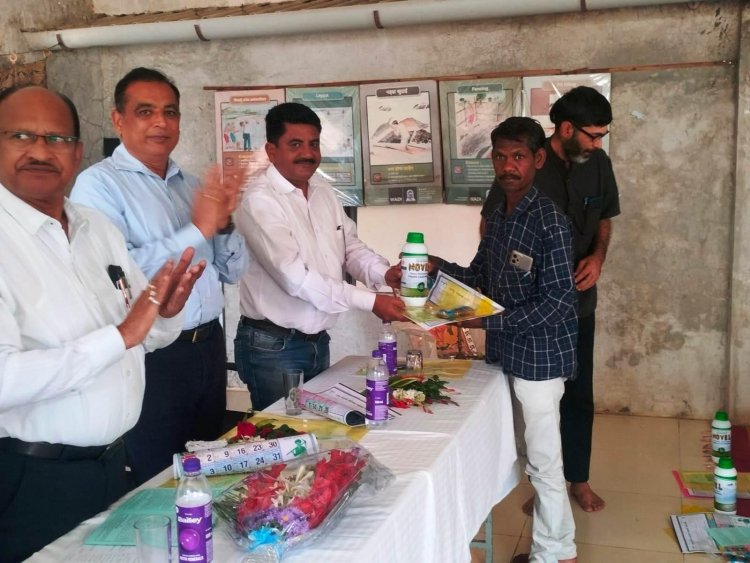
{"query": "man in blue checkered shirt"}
pixel 524 262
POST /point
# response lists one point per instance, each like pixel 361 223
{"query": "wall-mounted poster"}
pixel 340 141
pixel 401 143
pixel 241 128
pixel 541 92
pixel 469 111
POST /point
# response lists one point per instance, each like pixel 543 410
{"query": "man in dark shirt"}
pixel 577 175
pixel 524 262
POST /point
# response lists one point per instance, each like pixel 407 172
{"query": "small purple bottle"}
pixel 194 518
pixel 376 404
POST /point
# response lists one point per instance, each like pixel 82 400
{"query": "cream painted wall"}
pixel 450 231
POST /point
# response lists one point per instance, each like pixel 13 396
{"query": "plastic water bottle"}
pixel 415 271
pixel 194 519
pixel 725 487
pixel 387 345
pixel 721 436
pixel 376 405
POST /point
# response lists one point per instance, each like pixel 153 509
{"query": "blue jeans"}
pixel 262 356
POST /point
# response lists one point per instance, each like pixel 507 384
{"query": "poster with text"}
pixel 469 111
pixel 401 143
pixel 340 141
pixel 241 129
pixel 541 92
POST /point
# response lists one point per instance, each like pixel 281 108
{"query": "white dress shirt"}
pixel 65 375
pixel 299 249
pixel 154 215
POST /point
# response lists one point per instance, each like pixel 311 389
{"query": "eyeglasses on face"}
pixel 593 136
pixel 23 139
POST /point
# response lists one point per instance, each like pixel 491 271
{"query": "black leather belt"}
pixel 199 333
pixel 272 328
pixel 63 452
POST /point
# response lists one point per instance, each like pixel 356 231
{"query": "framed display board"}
pixel 401 143
pixel 469 111
pixel 241 128
pixel 541 92
pixel 340 140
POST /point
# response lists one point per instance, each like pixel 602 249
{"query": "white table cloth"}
pixel 451 468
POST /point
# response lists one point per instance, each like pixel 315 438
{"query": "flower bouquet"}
pixel 419 391
pixel 283 505
pixel 248 432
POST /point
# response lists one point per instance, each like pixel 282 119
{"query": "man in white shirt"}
pixel 301 245
pixel 161 209
pixel 75 323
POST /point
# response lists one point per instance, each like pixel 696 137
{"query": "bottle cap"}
pixel 721 415
pixel 191 465
pixel 416 238
pixel 377 354
pixel 725 462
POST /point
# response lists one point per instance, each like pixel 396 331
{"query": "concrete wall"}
pixel 665 294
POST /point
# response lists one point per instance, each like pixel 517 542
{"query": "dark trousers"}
pixel 261 357
pixel 577 407
pixel 185 399
pixel 42 499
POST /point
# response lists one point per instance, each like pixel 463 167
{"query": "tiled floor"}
pixel 631 468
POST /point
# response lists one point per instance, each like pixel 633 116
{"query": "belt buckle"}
pixel 195 337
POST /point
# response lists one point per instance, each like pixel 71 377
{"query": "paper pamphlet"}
pixel 709 532
pixel 351 399
pixel 330 408
pixel 450 301
pixel 118 529
pixel 700 484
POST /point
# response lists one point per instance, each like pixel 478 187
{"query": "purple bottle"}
pixel 194 519
pixel 376 403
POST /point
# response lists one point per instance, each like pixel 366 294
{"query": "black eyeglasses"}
pixel 23 139
pixel 592 136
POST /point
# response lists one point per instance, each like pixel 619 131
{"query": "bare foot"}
pixel 528 507
pixel 586 498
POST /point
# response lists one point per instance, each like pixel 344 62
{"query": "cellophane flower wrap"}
pixel 288 504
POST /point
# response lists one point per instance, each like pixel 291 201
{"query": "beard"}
pixel 574 151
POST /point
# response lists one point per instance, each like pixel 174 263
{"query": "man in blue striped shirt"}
pixel 524 262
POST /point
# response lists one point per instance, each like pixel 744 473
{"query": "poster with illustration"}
pixel 469 111
pixel 340 142
pixel 401 143
pixel 241 128
pixel 541 92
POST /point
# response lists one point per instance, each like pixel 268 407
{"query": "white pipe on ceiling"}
pixel 370 16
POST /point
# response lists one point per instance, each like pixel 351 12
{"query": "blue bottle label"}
pixel 195 533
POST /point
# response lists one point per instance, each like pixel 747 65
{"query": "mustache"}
pixel 304 161
pixel 509 177
pixel 34 164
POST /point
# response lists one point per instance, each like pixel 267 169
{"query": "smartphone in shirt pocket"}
pixel 521 261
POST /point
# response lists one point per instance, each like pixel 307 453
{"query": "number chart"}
pixel 243 457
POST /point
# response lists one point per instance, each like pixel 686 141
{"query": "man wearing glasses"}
pixel 77 316
pixel 578 177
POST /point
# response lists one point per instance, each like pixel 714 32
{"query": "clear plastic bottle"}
pixel 725 487
pixel 415 271
pixel 194 516
pixel 376 405
pixel 721 436
pixel 387 345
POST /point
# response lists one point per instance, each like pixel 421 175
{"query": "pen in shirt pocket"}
pixel 117 275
